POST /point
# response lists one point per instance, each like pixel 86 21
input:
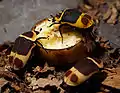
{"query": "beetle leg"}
pixel 53 20
pixel 59 26
pixel 61 32
pixel 40 43
pixel 22 50
pixel 42 38
pixel 82 70
pixel 53 24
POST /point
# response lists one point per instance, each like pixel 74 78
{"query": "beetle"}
pixel 22 49
pixel 82 70
pixel 74 18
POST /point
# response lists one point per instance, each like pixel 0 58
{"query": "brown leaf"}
pixel 43 82
pixel 3 82
pixel 107 14
pixel 113 79
pixel 45 69
pixel 16 87
pixel 113 18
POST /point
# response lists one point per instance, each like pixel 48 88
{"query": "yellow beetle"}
pixel 75 18
pixel 82 70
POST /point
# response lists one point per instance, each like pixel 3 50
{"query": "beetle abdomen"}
pixel 75 18
pixel 82 70
pixel 71 15
pixel 22 49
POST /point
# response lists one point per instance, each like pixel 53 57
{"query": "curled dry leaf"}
pixel 5 48
pixel 103 42
pixel 3 82
pixel 113 79
pixel 113 17
pixel 88 7
pixel 14 82
pixel 107 14
pixel 3 60
pixel 117 3
pixel 96 3
pixel 16 87
pixel 9 75
pixel 94 13
pixel 42 91
pixel 42 82
pixel 37 69
pixel 46 68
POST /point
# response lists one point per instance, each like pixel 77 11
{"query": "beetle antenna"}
pixel 42 38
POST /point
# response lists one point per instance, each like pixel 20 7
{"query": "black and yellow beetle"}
pixel 74 18
pixel 27 41
pixel 82 70
pixel 22 49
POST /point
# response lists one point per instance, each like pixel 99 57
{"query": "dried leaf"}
pixel 117 3
pixel 42 82
pixel 42 91
pixel 3 82
pixel 113 18
pixel 10 75
pixel 45 69
pixel 113 79
pixel 88 7
pixel 95 3
pixel 107 14
pixel 16 87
